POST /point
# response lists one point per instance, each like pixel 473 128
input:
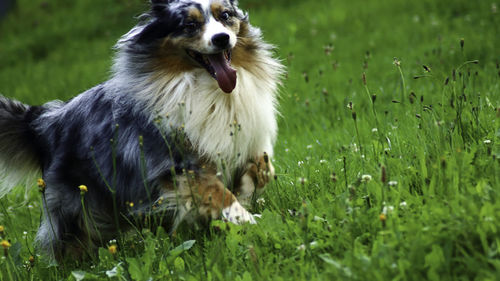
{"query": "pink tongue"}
pixel 224 73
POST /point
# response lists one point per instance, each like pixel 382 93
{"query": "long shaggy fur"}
pixel 18 148
pixel 161 137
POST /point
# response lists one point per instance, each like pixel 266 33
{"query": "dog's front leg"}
pixel 257 175
pixel 204 196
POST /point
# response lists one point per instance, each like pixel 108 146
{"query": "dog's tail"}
pixel 19 157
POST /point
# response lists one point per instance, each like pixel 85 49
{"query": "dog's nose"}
pixel 220 40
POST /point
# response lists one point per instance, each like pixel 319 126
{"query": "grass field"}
pixel 387 157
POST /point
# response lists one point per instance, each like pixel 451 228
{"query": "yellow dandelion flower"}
pixel 41 184
pixel 83 188
pixel 113 249
pixel 131 204
pixel 5 244
pixel 382 217
pixel 2 229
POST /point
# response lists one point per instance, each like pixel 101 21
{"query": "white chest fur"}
pixel 222 127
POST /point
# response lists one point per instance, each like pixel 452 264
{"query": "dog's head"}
pixel 186 34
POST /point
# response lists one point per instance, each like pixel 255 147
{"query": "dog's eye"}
pixel 224 16
pixel 190 26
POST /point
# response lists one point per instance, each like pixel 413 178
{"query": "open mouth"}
pixel 219 67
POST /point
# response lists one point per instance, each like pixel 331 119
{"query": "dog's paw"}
pixel 262 171
pixel 237 214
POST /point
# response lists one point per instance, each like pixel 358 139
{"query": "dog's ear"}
pixel 242 15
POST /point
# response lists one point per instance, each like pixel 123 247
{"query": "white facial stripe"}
pixel 213 27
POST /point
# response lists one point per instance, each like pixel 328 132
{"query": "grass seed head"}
pixel 397 62
pixel 383 176
pixel 333 177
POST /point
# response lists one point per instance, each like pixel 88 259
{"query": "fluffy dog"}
pixel 183 129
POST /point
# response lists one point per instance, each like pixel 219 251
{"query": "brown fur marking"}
pixel 195 14
pixel 245 51
pixel 217 8
pixel 205 192
pixel 260 171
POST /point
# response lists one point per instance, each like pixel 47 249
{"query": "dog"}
pixel 182 131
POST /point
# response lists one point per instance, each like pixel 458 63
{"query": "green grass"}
pixel 433 158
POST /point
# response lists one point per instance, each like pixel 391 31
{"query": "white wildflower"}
pixel 366 178
pixel 355 147
pixel 387 210
pixel 487 141
pixel 261 201
pixel 392 183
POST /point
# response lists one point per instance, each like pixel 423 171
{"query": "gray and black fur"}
pixel 97 140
